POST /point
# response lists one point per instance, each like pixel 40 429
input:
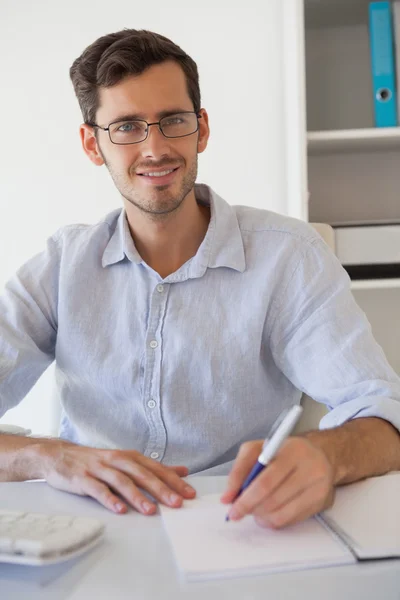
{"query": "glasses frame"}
pixel 148 125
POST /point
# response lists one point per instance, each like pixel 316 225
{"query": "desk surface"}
pixel 136 562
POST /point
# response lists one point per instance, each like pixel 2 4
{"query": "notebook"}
pixel 366 515
pixel 363 523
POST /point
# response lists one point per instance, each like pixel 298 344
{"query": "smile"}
pixel 159 177
pixel 157 173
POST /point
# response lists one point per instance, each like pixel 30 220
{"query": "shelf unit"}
pixel 375 284
pixel 354 140
pixel 352 166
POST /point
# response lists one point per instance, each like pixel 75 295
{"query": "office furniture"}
pixel 135 562
pixel 351 166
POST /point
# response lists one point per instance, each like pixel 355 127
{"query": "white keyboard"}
pixel 41 539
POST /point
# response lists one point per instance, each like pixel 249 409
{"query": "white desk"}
pixel 136 562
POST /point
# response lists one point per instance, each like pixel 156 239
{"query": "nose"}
pixel 156 144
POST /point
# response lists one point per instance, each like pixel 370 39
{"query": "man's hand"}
pixel 297 484
pixel 102 474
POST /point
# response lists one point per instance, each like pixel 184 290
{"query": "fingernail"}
pixel 189 490
pixel 234 514
pixel 119 507
pixel 226 497
pixel 147 507
pixel 174 498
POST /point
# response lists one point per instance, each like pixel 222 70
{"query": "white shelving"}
pixel 354 140
pixel 375 284
pixel 352 166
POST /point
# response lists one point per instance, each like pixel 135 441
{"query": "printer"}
pixel 369 250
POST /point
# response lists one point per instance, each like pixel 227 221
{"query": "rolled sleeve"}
pixel 382 407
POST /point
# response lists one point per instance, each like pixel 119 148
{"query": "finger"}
pixel 173 480
pixel 125 487
pixel 298 479
pixel 171 477
pixel 99 491
pixel 159 480
pixel 247 456
pixel 276 474
pixel 306 504
pixel 149 480
pixel 180 470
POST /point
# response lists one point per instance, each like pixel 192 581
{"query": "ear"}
pixel 204 131
pixel 90 145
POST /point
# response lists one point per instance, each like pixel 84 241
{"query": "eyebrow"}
pixel 142 116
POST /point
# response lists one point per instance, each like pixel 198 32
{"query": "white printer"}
pixel 369 250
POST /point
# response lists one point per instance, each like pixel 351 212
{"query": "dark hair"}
pixel 115 56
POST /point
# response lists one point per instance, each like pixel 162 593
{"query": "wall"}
pixel 46 181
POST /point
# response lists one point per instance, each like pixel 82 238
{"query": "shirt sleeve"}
pixel 322 341
pixel 28 324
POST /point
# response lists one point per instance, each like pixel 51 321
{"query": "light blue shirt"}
pixel 184 369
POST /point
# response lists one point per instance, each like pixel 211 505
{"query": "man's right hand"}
pixel 113 477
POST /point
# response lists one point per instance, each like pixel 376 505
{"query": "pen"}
pixel 280 430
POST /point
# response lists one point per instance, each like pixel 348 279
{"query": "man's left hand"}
pixel 297 484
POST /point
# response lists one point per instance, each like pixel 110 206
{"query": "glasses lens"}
pixel 128 132
pixel 179 125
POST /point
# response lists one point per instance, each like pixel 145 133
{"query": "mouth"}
pixel 160 177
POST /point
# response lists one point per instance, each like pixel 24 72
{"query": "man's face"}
pixel 160 89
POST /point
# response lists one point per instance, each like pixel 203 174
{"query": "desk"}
pixel 136 562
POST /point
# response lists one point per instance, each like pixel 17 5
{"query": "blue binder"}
pixel 383 64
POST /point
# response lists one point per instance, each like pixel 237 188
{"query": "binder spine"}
pixel 396 32
pixel 382 64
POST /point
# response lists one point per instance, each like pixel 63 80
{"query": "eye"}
pixel 174 120
pixel 127 127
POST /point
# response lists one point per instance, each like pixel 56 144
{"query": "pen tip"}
pixel 227 518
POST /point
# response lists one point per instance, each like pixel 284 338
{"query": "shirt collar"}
pixel 221 247
pixel 121 244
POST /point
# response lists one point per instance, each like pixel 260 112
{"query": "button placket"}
pixel 151 388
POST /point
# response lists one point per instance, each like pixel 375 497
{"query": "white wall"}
pixel 46 181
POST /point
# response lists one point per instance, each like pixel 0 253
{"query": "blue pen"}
pixel 280 430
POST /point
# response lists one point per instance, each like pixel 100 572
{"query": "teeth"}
pixel 160 174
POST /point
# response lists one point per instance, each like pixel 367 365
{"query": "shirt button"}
pixel 160 288
pixel 154 455
pixel 151 404
pixel 153 344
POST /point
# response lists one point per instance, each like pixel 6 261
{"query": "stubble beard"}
pixel 159 203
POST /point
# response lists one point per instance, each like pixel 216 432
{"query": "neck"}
pixel 166 243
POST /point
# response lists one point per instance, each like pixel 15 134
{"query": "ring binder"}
pixel 383 64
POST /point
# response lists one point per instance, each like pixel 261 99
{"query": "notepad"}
pixel 205 546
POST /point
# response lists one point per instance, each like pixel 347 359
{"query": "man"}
pixel 182 326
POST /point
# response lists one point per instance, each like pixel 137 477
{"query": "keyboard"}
pixel 28 538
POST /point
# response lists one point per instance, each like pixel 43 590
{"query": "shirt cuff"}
pixel 374 406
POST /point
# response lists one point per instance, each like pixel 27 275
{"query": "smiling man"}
pixel 182 326
pixel 153 164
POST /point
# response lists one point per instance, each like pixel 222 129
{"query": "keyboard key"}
pixel 61 522
pixel 10 516
pixel 6 543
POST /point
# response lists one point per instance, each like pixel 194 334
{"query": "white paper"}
pixel 367 515
pixel 206 546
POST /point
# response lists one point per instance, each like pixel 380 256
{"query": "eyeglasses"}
pixel 135 131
